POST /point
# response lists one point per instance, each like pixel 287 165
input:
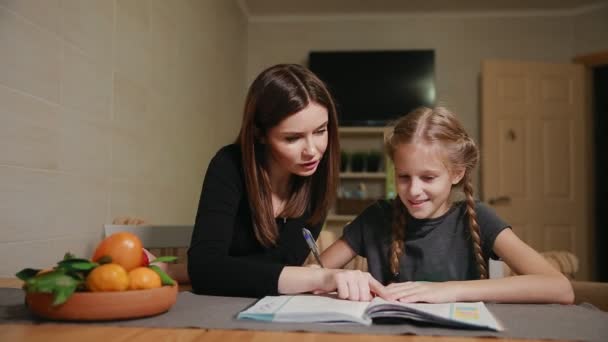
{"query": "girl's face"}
pixel 423 181
pixel 297 144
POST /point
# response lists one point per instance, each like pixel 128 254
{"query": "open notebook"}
pixel 328 309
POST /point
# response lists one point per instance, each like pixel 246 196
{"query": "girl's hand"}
pixel 421 291
pixel 352 285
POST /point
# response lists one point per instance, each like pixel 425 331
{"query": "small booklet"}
pixel 328 309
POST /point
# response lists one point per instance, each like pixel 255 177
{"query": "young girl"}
pixel 278 177
pixel 429 248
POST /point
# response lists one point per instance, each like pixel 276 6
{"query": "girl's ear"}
pixel 458 175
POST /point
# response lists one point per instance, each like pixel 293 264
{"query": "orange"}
pixel 124 248
pixel 108 277
pixel 142 278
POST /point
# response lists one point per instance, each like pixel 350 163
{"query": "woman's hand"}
pixel 352 285
pixel 421 291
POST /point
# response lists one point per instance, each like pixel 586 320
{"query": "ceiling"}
pixel 367 7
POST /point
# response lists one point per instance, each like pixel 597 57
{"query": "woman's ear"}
pixel 458 175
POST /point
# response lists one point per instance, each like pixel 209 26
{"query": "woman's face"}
pixel 297 144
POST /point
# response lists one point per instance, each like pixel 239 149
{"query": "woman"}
pixel 278 177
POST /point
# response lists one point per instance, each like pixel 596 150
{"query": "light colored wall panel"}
pixel 133 40
pixel 30 57
pixel 110 108
pixel 30 131
pixel 40 253
pixel 85 145
pixel 28 206
pixel 86 86
pixel 123 199
pixel 89 26
pixel 46 14
pixel 82 202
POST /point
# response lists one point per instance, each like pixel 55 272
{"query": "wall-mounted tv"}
pixel 372 88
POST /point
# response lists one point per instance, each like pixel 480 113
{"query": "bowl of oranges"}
pixel 118 282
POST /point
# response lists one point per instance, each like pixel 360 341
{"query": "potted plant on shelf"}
pixel 373 161
pixel 343 161
pixel 357 161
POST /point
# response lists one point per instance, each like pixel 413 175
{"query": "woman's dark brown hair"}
pixel 277 93
pixel 441 127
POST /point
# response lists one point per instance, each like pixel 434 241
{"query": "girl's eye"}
pixel 291 139
pixel 428 178
pixel 321 131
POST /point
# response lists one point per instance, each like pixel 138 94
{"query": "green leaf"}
pixel 68 255
pixel 73 265
pixel 71 260
pixel 45 283
pixel 63 292
pixel 52 282
pixel 164 259
pixel 164 277
pixel 27 273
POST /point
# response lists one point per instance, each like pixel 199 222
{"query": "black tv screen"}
pixel 372 88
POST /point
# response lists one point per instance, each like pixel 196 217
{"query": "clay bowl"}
pixel 103 306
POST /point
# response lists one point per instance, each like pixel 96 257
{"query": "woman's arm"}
pixel 211 267
pixel 349 284
pixel 538 281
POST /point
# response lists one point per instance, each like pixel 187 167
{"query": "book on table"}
pixel 329 309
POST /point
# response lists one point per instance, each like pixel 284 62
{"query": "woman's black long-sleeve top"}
pixel 225 257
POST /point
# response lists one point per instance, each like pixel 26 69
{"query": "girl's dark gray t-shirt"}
pixel 438 249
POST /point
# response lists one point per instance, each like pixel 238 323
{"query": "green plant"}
pixel 357 161
pixel 343 161
pixel 373 161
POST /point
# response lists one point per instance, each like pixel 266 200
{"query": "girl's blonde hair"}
pixel 439 127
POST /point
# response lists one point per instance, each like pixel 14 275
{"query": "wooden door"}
pixel 534 154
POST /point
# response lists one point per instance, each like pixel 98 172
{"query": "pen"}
pixel 310 241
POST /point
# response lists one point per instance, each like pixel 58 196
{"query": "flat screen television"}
pixel 372 88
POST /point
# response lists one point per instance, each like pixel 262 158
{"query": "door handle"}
pixel 499 200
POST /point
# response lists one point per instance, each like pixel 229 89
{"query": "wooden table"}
pixel 91 333
pixel 48 332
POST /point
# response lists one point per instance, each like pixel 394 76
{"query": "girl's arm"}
pixel 538 281
pixel 337 255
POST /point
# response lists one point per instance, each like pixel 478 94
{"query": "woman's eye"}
pixel 321 131
pixel 291 139
pixel 428 178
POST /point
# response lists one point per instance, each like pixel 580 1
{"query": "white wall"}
pixel 460 41
pixel 460 44
pixel 107 108
pixel 591 31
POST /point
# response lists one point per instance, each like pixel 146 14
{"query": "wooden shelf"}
pixel 340 218
pixel 363 175
pixel 365 130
